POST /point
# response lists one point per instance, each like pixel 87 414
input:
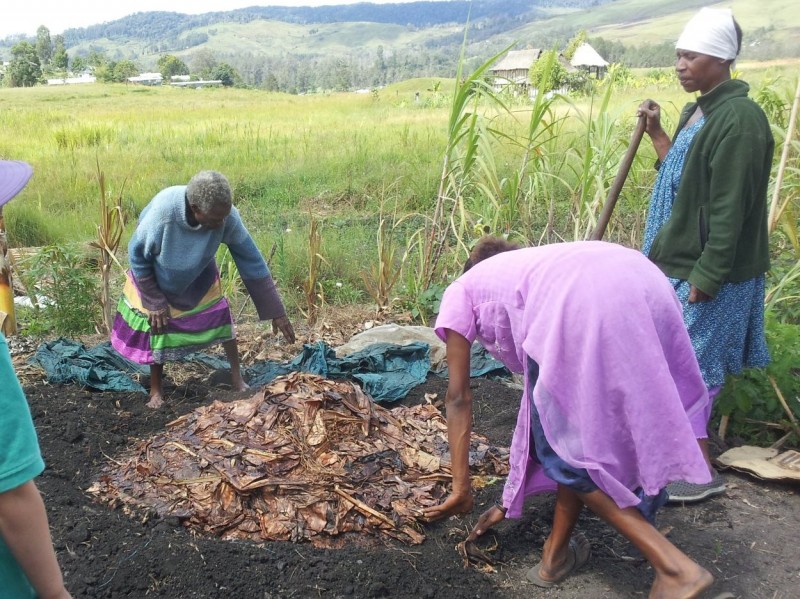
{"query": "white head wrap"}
pixel 710 32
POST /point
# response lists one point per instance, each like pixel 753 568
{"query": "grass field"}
pixel 352 196
pixel 637 22
pixel 346 161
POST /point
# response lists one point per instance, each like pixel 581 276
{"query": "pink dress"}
pixel 618 378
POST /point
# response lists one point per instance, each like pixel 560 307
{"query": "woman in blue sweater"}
pixel 707 222
pixel 172 304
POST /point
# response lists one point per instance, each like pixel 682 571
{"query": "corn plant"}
pixel 109 234
pixel 312 287
pixel 381 278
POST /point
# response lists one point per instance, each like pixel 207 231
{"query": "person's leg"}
pixel 685 492
pixel 156 389
pixel 232 353
pixel 556 559
pixel 699 422
pixel 677 575
pixel 703 444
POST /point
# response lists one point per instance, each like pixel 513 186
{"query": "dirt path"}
pixel 747 538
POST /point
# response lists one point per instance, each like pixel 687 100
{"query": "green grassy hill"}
pixel 640 22
pixel 771 23
pixel 306 56
pixel 276 38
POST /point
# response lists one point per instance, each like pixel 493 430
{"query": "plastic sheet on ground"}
pixel 401 335
pixel 386 371
pixel 481 361
pixel 100 367
pixel 305 458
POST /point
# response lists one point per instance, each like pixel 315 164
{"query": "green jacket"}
pixel 717 231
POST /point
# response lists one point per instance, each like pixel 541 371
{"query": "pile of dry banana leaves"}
pixel 304 458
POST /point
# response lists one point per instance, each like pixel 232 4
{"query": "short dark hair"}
pixel 488 247
pixel 739 36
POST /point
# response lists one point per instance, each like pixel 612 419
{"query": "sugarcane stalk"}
pixel 774 211
pixel 786 408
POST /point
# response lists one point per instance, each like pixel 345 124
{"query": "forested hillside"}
pixel 367 45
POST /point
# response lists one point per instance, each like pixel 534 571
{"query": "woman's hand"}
pixel 283 325
pixel 698 295
pixel 60 594
pixel 454 504
pixel 158 319
pixel 494 515
pixel 652 111
pixel 661 141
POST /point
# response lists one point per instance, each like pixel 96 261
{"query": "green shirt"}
pixel 717 231
pixel 20 461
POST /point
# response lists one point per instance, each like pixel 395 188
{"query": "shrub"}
pixel 750 399
pixel 63 284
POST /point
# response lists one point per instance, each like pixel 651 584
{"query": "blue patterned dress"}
pixel 727 332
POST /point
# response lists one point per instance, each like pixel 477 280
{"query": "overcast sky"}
pixel 58 15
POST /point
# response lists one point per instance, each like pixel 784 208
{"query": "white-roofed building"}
pixel 147 79
pixel 83 78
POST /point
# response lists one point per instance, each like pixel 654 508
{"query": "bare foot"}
pixel 240 385
pixel 556 567
pixel 156 401
pixel 683 585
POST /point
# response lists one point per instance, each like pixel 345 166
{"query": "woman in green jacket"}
pixel 707 221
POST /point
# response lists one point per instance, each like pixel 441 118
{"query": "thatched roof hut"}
pixel 587 58
pixel 514 67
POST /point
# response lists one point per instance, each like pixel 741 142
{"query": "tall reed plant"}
pixel 594 162
pixel 511 198
pixel 467 140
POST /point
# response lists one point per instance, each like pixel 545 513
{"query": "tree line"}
pixel 34 63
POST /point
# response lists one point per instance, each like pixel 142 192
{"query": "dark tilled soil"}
pixel 747 539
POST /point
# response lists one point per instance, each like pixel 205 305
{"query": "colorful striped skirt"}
pixel 209 323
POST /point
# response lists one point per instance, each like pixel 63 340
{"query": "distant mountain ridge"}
pixel 366 45
pixel 157 24
pixel 417 14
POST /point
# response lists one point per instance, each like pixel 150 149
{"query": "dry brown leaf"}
pixel 305 458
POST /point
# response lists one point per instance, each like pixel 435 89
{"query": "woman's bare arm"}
pixel 458 402
pixel 24 528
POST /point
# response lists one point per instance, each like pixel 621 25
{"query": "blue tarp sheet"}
pixel 386 371
pixel 99 367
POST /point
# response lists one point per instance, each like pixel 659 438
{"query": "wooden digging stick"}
pixel 619 180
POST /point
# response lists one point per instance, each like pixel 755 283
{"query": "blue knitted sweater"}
pixel 180 258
